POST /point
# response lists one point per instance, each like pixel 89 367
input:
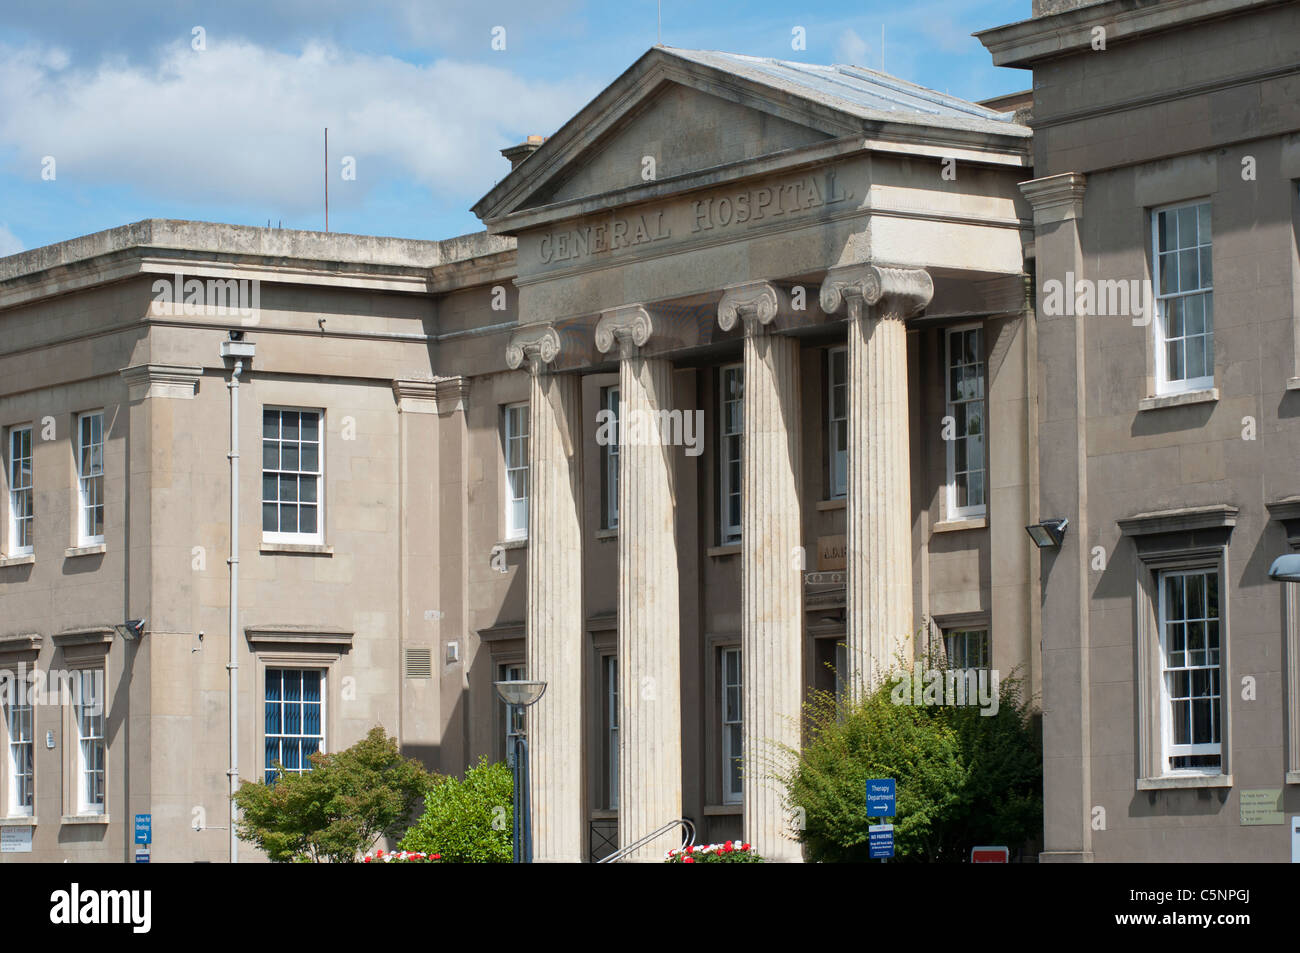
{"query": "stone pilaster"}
pixel 649 625
pixel 771 563
pixel 879 511
pixel 554 616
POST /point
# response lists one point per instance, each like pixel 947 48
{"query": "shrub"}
pixel 337 810
pixel 963 778
pixel 467 821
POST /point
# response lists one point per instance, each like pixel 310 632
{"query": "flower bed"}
pixel 729 852
pixel 402 857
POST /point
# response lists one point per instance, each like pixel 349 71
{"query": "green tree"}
pixel 963 777
pixel 467 821
pixel 337 811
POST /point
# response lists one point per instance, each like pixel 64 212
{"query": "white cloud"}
pixel 243 123
pixel 851 49
pixel 9 242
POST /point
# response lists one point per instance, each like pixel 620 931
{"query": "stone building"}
pixel 1166 163
pixel 805 293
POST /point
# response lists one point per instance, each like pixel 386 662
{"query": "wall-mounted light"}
pixel 1047 534
pixel 131 629
pixel 1285 568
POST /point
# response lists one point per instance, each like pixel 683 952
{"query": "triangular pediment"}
pixel 692 111
pixel 680 130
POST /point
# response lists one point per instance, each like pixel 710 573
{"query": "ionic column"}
pixel 554 615
pixel 879 511
pixel 771 564
pixel 649 665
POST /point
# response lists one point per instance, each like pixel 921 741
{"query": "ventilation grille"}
pixel 419 663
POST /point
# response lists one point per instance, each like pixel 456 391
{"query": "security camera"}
pixel 236 335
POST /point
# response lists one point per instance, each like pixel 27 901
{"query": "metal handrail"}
pixel 688 839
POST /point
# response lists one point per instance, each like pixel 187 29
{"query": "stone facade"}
pixel 838 408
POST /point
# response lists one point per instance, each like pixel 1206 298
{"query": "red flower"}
pixel 437 856
pixel 379 853
pixel 744 847
pixel 367 860
pixel 688 860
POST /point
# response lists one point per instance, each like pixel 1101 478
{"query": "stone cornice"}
pixel 161 380
pixel 20 642
pixel 1180 520
pixel 1070 31
pixel 538 346
pixel 1287 512
pixel 94 635
pixel 908 290
pixel 298 635
pixel 1056 198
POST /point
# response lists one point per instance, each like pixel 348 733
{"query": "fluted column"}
pixel 554 614
pixel 771 567
pixel 879 511
pixel 649 665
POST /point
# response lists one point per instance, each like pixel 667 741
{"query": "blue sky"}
pixel 139 123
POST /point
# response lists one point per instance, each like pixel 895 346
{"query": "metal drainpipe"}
pixel 233 665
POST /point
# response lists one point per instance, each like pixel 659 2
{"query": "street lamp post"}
pixel 518 695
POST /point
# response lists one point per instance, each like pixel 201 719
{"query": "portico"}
pixel 825 224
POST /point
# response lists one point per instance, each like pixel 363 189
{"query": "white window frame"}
pixel 970 510
pixel 16 486
pixel 611 728
pixel 732 447
pixel 19 714
pixel 86 488
pixel 1169 749
pixel 278 536
pixel 515 448
pixel 837 484
pixel 91 755
pixel 1164 385
pixel 610 401
pixel 322 738
pixel 732 722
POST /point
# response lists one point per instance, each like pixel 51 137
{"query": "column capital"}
pixel 910 288
pixel 538 346
pixel 631 326
pixel 756 302
pixel 1056 198
pixel 436 395
pixel 161 380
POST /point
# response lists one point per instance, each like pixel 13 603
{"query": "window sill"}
pixel 954 526
pixel 724 810
pixel 604 813
pixel 1293 777
pixel 607 533
pixel 21 821
pixel 1177 782
pixel 520 542
pixel 1293 383
pixel 836 504
pixel 728 549
pixel 1207 396
pixel 307 549
pixel 24 560
pixel 84 819
pixel 94 549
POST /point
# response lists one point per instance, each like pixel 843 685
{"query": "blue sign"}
pixel 880 798
pixel 144 828
pixel 880 840
pixel 142 856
